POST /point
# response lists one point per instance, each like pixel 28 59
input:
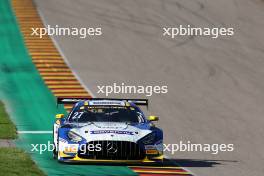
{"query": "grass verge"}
pixel 7 128
pixel 15 162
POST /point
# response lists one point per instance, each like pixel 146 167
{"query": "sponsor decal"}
pixel 121 103
pixel 70 148
pixel 152 152
pixel 112 131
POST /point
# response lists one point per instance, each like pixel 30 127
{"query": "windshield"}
pixel 106 114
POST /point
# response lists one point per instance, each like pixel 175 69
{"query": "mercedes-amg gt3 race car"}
pixel 106 130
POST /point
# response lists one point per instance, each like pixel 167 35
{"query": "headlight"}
pixel 74 137
pixel 149 139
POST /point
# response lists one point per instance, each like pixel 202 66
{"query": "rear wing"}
pixel 73 100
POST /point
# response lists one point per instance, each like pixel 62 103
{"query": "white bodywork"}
pixel 110 131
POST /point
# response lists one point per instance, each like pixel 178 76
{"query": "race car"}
pixel 106 130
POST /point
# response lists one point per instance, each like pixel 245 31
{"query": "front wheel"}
pixel 55 152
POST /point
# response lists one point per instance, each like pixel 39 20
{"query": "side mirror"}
pixel 59 116
pixel 153 118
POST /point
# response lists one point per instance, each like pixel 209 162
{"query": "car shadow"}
pixel 166 163
pixel 198 162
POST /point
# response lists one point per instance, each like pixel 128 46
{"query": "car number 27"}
pixel 77 115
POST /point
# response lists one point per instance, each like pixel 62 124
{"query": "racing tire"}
pixel 55 152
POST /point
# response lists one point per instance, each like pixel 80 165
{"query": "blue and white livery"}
pixel 106 130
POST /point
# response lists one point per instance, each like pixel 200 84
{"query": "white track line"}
pixel 34 132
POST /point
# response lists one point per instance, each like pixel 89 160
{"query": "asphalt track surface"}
pixel 216 86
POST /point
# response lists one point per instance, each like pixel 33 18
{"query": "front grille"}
pixel 113 150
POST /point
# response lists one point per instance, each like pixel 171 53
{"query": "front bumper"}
pixel 147 154
pixel 72 159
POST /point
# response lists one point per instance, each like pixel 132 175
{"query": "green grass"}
pixel 7 128
pixel 15 162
